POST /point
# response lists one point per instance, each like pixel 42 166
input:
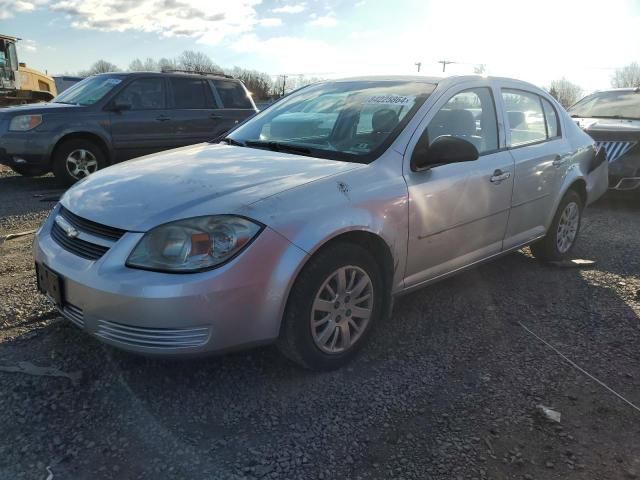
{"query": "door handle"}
pixel 498 176
pixel 559 160
pixel 163 118
pixel 215 116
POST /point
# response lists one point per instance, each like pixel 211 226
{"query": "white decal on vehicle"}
pixel 390 100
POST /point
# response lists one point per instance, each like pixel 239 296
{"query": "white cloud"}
pixel 324 21
pixel 292 8
pixel 28 45
pixel 270 22
pixel 8 8
pixel 209 21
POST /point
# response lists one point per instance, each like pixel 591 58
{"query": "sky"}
pixel 535 40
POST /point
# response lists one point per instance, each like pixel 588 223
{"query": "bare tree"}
pixel 258 83
pixel 101 66
pixel 167 64
pixel 628 76
pixel 149 65
pixel 480 69
pixel 566 92
pixel 197 62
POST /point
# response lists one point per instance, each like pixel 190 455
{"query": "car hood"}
pixel 198 180
pixel 38 108
pixel 609 124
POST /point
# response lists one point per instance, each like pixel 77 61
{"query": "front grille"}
pixel 81 248
pixel 616 149
pixel 93 228
pixel 146 337
pixel 74 314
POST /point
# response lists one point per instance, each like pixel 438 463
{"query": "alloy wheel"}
pixel 81 163
pixel 568 227
pixel 342 309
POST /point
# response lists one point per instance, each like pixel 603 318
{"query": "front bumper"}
pixel 236 305
pixel 25 149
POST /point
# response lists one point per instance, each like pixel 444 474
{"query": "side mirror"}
pixel 119 105
pixel 445 149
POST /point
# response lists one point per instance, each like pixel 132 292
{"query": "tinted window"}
pixel 551 117
pixel 144 94
pixel 624 104
pixel 524 117
pixel 191 93
pixel 470 115
pixel 232 94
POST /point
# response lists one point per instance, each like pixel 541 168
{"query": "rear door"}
pixel 146 127
pixel 541 155
pixel 193 109
pixel 235 103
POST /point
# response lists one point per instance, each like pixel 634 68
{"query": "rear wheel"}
pixel 335 302
pixel 77 159
pixel 563 233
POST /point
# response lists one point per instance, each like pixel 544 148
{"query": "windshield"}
pixel 623 104
pixel 88 91
pixel 353 120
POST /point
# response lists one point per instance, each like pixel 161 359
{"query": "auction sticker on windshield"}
pixel 390 100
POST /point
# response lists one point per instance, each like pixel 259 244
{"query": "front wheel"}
pixel 77 159
pixel 334 303
pixel 563 232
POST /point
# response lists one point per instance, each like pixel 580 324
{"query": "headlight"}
pixel 23 123
pixel 194 244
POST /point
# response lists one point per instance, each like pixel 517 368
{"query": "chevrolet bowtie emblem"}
pixel 66 226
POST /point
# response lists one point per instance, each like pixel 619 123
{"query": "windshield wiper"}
pixel 231 141
pixel 279 146
pixel 66 103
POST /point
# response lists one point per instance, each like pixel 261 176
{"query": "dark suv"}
pixel 113 117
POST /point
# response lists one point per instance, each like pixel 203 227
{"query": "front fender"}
pixel 89 129
pixel 369 199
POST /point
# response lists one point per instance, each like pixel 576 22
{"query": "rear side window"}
pixel 232 94
pixel 551 118
pixel 191 93
pixel 525 117
pixel 144 94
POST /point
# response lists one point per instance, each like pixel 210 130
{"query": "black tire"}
pixel 27 171
pixel 296 339
pixel 547 249
pixel 64 150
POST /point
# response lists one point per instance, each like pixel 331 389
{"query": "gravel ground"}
pixel 448 389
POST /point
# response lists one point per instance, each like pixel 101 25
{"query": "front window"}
pixel 89 91
pixel 351 120
pixel 614 104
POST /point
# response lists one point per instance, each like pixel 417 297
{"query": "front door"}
pixel 458 213
pixel 146 127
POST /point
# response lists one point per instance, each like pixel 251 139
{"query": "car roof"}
pixel 434 80
pixel 173 73
pixel 626 89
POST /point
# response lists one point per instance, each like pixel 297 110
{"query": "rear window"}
pixel 232 94
pixel 615 104
pixel 191 93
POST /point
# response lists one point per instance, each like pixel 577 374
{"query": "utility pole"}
pixel 418 64
pixel 445 63
pixel 284 82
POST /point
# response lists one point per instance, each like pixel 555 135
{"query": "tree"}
pixel 628 76
pixel 480 69
pixel 258 83
pixel 167 64
pixel 197 62
pixel 149 65
pixel 566 92
pixel 101 66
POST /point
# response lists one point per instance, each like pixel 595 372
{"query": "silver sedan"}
pixel 303 224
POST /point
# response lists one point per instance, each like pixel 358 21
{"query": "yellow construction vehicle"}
pixel 19 84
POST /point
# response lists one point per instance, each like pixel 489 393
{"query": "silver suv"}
pixel 303 224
